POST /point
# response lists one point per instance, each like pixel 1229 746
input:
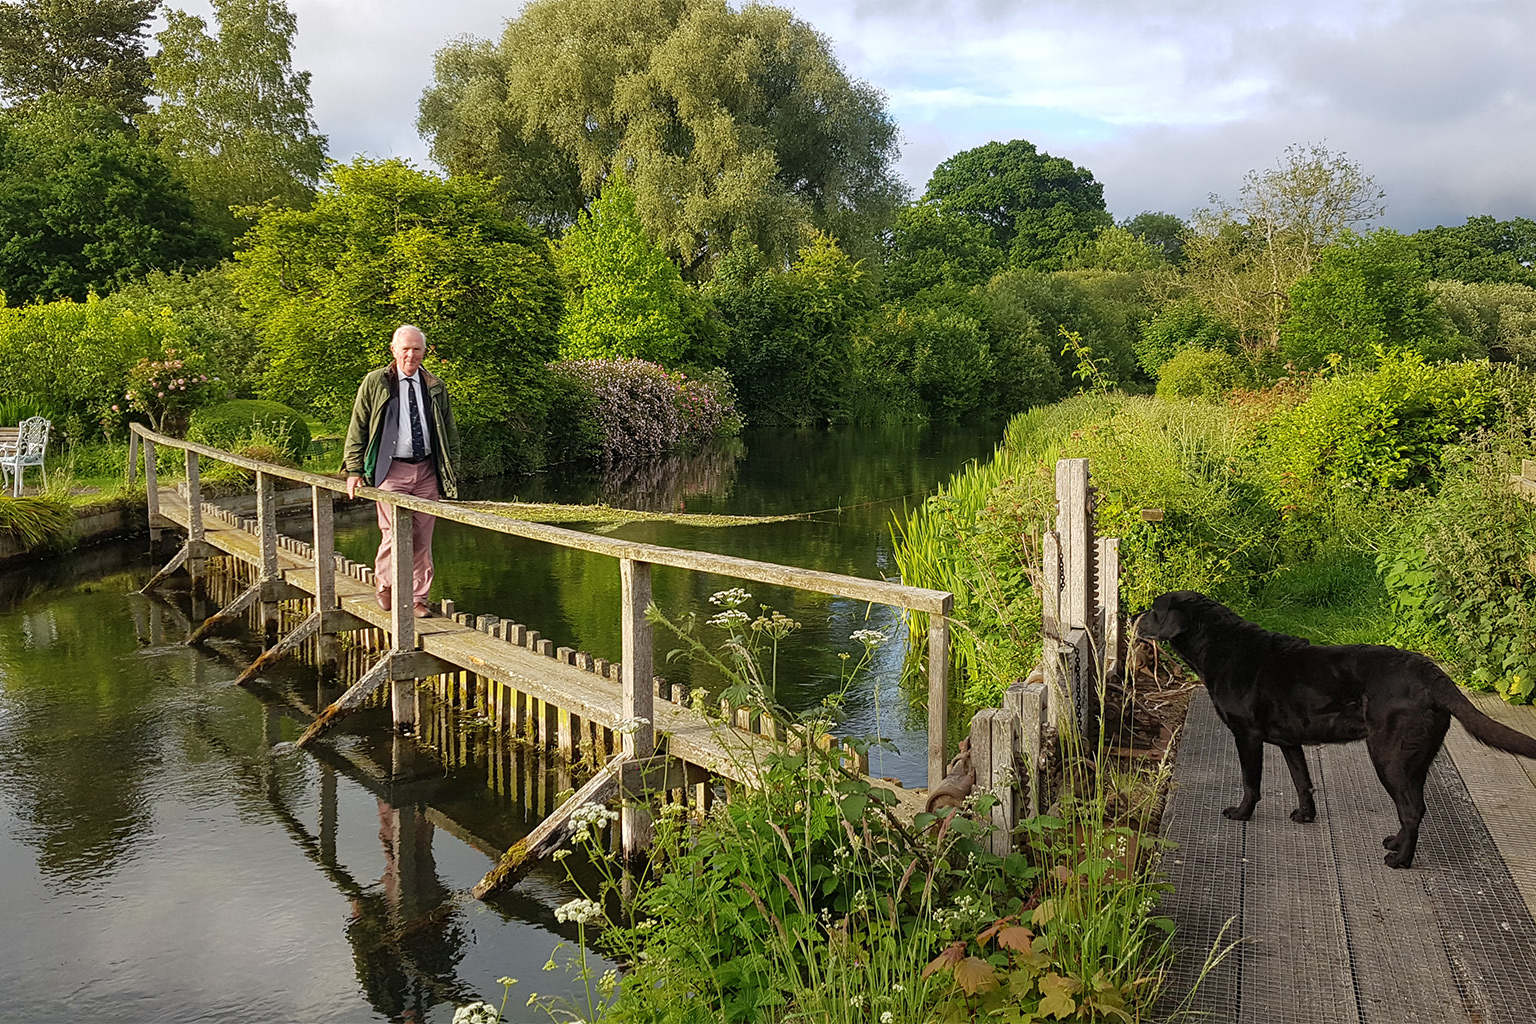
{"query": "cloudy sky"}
pixel 1166 101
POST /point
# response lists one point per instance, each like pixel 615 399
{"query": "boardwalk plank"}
pixel 1329 933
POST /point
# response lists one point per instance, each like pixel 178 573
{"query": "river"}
pixel 164 856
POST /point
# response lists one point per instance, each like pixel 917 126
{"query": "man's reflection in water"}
pixel 407 938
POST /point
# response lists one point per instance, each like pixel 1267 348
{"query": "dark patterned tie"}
pixel 418 443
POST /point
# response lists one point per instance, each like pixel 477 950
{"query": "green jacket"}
pixel 375 417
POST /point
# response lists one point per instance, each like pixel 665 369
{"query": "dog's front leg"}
pixel 1301 778
pixel 1250 754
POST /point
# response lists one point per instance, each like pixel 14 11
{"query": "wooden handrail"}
pixel 634 558
pixel 897 595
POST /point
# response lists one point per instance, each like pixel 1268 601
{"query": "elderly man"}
pixel 402 438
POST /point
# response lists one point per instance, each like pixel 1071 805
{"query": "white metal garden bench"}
pixel 28 446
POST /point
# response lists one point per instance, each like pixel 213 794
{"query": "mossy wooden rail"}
pixel 586 689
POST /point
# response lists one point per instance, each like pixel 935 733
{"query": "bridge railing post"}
pixel 323 545
pixel 266 534
pixel 637 697
pixel 152 491
pixel 938 698
pixel 402 692
pixel 196 562
pixel 194 498
pixel 133 457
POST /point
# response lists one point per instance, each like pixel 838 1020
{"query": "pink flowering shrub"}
pixel 643 409
pixel 168 387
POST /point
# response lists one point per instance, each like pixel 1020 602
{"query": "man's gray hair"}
pixel 410 327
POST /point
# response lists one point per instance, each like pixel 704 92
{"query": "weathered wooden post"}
pixel 1051 584
pixel 636 698
pixel 1080 601
pixel 938 697
pixel 266 532
pixel 323 545
pixel 993 743
pixel 133 456
pixel 1027 702
pixel 152 493
pixel 197 561
pixel 402 691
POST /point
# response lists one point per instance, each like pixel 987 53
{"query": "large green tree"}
pixel 1165 231
pixel 790 332
pixel 1040 209
pixel 83 50
pixel 928 248
pixel 730 124
pixel 85 205
pixel 1365 293
pixel 234 117
pixel 386 244
pixel 1243 257
pixel 1481 250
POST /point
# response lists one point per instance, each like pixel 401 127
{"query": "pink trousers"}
pixel 421 480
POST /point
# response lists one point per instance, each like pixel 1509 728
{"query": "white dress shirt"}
pixel 403 437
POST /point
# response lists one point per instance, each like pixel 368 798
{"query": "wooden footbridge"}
pixel 529 686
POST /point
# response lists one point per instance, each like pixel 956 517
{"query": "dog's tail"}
pixel 1480 726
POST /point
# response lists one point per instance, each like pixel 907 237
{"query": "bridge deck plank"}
pixel 723 749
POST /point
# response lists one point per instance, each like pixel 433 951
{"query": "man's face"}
pixel 408 348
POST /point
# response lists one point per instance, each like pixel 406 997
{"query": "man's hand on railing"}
pixel 352 485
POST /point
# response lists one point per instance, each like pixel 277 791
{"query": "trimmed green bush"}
pixel 229 424
pixel 1199 374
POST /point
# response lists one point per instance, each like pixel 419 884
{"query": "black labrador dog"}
pixel 1273 688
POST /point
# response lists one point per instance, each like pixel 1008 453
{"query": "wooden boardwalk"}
pixel 1325 931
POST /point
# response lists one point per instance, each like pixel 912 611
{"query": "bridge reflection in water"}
pixel 408 924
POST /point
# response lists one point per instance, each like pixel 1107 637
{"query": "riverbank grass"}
pixel 807 898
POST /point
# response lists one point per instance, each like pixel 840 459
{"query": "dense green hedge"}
pixel 1310 478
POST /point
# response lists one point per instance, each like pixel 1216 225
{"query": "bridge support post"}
pixel 266 532
pixel 938 698
pixel 402 692
pixel 637 696
pixel 152 493
pixel 323 542
pixel 133 457
pixel 197 560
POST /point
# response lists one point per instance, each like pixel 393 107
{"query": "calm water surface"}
pixel 165 857
pixel 851 481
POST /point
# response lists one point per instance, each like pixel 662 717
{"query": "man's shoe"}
pixel 422 611
pixel 384 599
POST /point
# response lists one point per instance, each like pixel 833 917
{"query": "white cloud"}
pixel 1165 100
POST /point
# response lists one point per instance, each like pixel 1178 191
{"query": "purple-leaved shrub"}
pixel 644 409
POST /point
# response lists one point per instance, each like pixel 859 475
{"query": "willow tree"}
pixel 729 125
